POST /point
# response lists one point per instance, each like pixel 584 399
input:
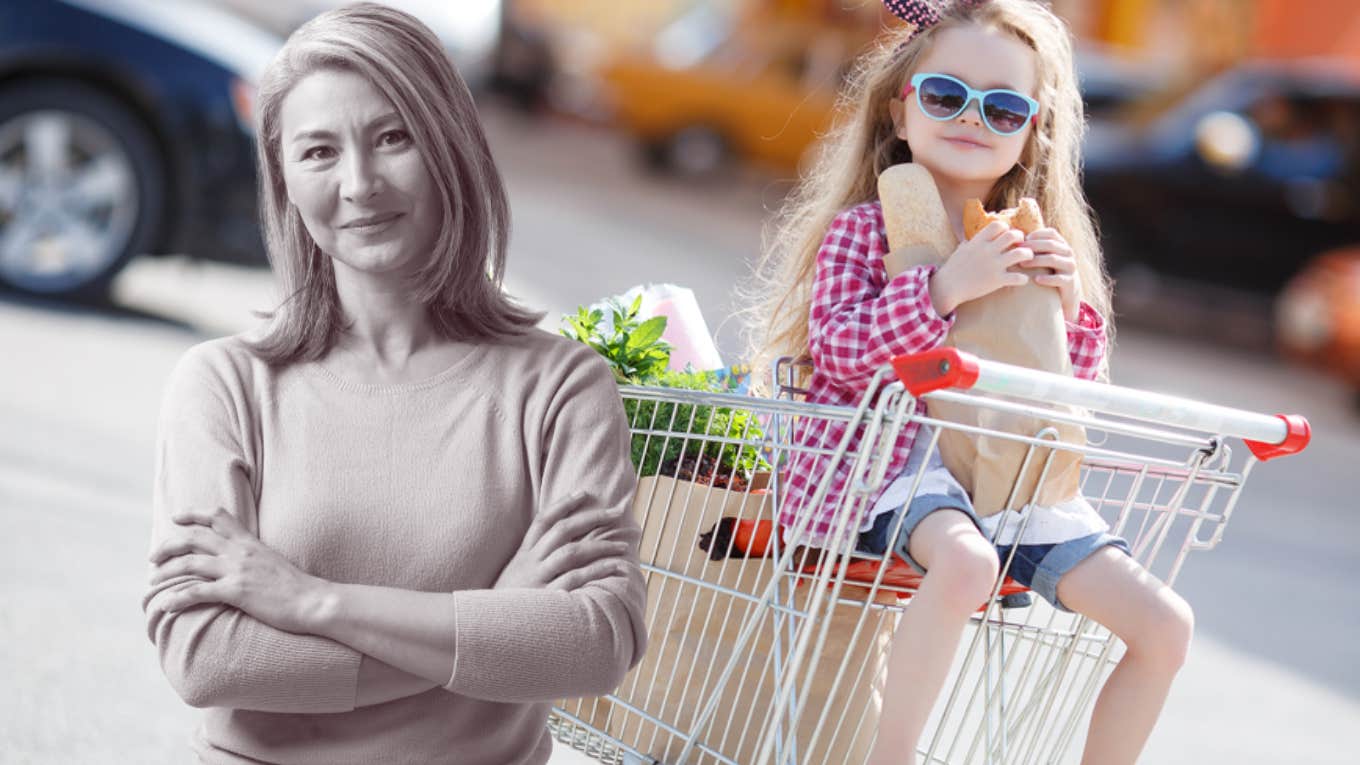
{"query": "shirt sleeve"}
pixel 536 644
pixel 856 326
pixel 1086 342
pixel 215 654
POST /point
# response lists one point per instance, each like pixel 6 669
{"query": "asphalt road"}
pixel 1274 674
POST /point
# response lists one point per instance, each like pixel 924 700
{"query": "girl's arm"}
pixel 856 326
pixel 1086 342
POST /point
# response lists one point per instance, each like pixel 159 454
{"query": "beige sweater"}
pixel 426 486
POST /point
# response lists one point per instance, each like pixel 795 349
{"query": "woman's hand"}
pixel 241 571
pixel 1052 251
pixel 979 266
pixel 558 553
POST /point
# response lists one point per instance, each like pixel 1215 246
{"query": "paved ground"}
pixel 1274 675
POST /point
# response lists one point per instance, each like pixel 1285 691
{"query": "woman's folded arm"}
pixel 526 644
pixel 213 654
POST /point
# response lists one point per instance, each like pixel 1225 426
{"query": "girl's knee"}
pixel 1166 633
pixel 966 570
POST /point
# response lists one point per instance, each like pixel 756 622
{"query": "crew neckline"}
pixel 473 350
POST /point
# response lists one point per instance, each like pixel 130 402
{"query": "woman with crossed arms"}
pixel 395 522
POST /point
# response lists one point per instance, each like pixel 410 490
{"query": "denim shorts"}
pixel 1036 566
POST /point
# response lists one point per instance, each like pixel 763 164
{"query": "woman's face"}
pixel 355 175
pixel 963 148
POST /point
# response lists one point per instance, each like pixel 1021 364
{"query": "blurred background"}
pixel 649 142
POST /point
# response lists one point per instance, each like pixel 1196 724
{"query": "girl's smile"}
pixel 966 144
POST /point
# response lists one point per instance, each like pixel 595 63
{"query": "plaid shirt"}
pixel 860 319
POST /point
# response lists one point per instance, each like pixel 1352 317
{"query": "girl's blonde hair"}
pixel 460 284
pixel 865 143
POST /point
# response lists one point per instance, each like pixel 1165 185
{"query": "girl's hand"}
pixel 241 571
pixel 979 267
pixel 558 552
pixel 1052 251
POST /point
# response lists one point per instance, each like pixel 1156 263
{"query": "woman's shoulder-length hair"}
pixel 460 285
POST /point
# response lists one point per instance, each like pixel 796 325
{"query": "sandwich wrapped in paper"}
pixel 1017 325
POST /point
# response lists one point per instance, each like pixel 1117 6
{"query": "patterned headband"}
pixel 923 14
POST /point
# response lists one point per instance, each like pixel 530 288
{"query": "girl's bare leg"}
pixel 962 568
pixel 1155 624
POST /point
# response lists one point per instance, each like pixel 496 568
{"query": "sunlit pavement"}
pixel 1274 674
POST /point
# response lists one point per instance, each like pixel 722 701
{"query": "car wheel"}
pixel 694 152
pixel 81 188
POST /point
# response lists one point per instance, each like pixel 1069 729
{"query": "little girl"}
pixel 984 95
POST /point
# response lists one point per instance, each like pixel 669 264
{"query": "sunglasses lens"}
pixel 941 98
pixel 1006 112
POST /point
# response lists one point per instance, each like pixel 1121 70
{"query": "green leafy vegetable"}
pixel 670 438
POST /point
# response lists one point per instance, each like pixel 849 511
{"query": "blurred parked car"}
pixel 1110 82
pixel 713 86
pixel 706 92
pixel 125 128
pixel 1318 315
pixel 469 29
pixel 1239 184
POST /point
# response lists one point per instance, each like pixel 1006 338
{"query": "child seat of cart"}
pixel 743 538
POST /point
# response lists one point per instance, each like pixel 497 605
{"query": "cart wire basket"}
pixel 762 650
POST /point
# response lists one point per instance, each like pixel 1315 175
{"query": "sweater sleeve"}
pixel 1086 342
pixel 214 654
pixel 855 326
pixel 536 644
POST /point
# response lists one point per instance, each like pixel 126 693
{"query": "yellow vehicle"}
pixel 705 93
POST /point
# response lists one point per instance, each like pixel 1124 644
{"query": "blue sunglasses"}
pixel 942 98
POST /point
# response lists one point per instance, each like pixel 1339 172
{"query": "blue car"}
pixel 125 128
pixel 1238 184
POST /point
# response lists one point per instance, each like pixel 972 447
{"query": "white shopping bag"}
pixel 686 330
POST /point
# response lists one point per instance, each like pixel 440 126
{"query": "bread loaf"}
pixel 1026 217
pixel 913 215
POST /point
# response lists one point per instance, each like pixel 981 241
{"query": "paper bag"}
pixel 693 630
pixel 1016 325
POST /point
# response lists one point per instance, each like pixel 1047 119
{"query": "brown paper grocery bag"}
pixel 693 631
pixel 853 708
pixel 1016 325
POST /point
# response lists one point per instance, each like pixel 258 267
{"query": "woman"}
pixel 396 523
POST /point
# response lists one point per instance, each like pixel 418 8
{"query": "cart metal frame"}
pixel 755 659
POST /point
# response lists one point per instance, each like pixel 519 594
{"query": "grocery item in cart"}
pixel 1020 325
pixel 696 608
pixel 691 343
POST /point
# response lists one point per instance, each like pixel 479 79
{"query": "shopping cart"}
pixel 760 653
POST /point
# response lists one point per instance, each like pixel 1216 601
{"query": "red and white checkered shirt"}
pixel 860 319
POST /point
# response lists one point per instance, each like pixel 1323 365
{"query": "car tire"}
pixel 694 153
pixel 82 188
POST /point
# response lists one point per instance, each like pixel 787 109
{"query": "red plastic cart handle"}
pixel 923 373
pixel 1298 434
pixel 933 370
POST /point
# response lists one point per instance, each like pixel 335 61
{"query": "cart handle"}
pixel 1267 436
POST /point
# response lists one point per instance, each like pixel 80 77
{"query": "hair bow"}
pixel 923 14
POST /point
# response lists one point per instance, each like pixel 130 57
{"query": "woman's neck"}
pixel 387 329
